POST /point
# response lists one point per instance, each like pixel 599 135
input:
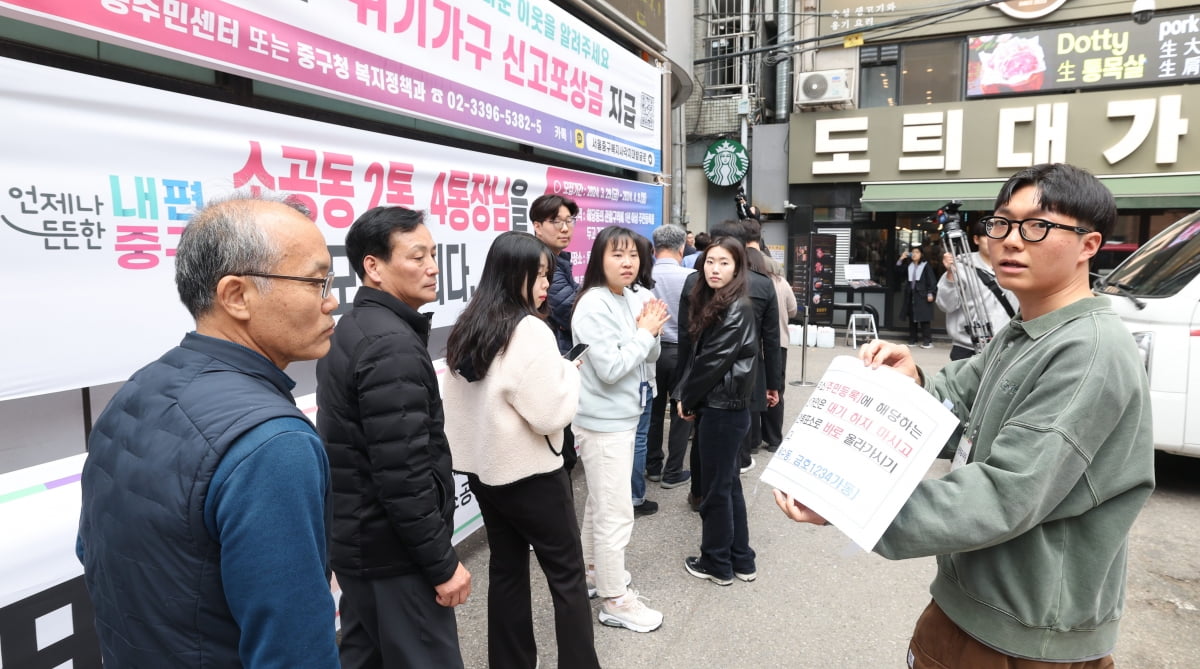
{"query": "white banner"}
pixel 520 69
pixel 99 178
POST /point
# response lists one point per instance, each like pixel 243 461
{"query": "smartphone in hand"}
pixel 576 352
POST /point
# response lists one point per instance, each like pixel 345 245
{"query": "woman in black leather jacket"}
pixel 716 386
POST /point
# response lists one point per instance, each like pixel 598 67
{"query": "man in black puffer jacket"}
pixel 553 218
pixel 380 413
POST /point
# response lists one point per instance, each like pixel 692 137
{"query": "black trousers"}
pixel 537 511
pixel 680 430
pixel 696 489
pixel 772 418
pixel 725 535
pixel 753 439
pixel 926 332
pixel 396 623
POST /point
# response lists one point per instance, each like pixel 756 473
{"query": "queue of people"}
pixel 1031 570
pixel 376 475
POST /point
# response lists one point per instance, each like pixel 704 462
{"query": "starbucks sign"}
pixel 726 162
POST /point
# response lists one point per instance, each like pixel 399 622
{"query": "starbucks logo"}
pixel 726 162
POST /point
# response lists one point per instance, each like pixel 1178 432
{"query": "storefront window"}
pixel 869 247
pixel 931 72
pixel 879 76
pixel 879 84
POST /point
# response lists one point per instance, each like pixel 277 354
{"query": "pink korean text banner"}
pixel 100 178
pixel 523 70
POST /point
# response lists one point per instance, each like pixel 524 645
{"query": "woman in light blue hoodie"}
pixel 612 398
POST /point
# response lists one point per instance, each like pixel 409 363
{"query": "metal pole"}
pixel 804 353
pixel 804 357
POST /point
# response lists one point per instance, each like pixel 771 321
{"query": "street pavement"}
pixel 804 610
pixel 819 601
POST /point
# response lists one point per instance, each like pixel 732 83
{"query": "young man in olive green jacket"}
pixel 1054 459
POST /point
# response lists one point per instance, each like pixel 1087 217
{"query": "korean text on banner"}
pixel 860 446
pixel 526 71
pixel 107 219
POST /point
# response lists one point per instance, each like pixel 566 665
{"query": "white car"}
pixel 1156 291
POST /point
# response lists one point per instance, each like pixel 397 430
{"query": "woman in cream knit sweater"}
pixel 507 399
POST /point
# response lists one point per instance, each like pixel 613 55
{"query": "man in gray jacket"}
pixel 669 278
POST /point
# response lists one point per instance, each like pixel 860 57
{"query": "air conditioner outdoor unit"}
pixel 823 87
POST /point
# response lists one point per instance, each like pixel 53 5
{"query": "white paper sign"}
pixel 855 272
pixel 860 446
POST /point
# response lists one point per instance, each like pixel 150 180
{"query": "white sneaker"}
pixel 748 467
pixel 629 612
pixel 590 577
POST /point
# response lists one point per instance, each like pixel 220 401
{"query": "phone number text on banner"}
pixel 523 70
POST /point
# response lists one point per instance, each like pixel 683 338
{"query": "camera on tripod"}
pixel 948 214
pixel 743 207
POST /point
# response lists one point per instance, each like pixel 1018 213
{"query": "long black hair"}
pixel 614 236
pixel 707 306
pixel 645 275
pixel 503 297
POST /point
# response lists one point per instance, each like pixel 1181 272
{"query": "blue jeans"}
pixel 638 480
pixel 725 534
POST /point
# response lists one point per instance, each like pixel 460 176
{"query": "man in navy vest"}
pixel 202 532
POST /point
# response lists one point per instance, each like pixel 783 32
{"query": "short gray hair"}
pixel 669 236
pixel 224 239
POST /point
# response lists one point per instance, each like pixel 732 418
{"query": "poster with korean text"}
pixel 862 442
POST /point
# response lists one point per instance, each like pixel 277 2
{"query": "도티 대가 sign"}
pixel 861 444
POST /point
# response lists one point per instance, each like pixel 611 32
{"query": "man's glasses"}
pixel 325 283
pixel 1031 229
pixel 561 222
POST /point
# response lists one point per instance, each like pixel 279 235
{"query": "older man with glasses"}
pixel 202 532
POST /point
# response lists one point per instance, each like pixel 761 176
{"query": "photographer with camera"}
pixel 991 302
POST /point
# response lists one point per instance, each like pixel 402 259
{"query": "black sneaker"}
pixel 646 508
pixel 676 481
pixel 655 477
pixel 693 566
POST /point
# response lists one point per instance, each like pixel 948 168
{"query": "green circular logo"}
pixel 726 162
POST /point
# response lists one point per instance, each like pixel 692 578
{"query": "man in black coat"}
pixel 768 374
pixel 380 413
pixel 553 218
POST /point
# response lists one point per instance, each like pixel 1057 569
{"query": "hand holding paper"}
pixel 862 442
pixel 795 510
pixel 879 353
